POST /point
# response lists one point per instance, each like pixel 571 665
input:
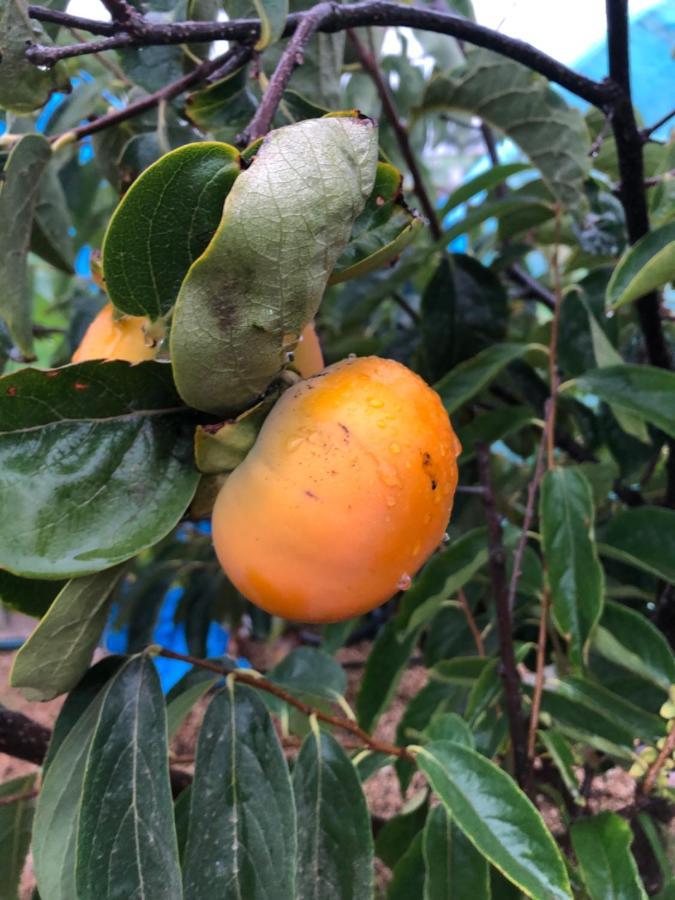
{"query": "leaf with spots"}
pixel 126 839
pixel 164 222
pixel 335 843
pixel 285 222
pixel 522 104
pixel 242 789
pixel 95 465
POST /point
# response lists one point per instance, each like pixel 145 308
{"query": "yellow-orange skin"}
pixel 307 356
pixel 346 493
pixel 110 338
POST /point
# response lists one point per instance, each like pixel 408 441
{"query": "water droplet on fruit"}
pixel 293 443
pixel 391 501
pixel 427 519
pixel 375 402
pixel 394 448
pixel 446 538
pixel 404 582
pixel 389 475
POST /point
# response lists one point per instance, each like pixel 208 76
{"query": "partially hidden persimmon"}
pixel 345 494
pixel 307 356
pixel 116 338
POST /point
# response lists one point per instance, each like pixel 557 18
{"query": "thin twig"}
pixel 369 64
pixel 262 684
pixel 343 16
pixel 554 375
pixel 291 58
pixel 123 12
pixel 532 489
pixel 471 622
pixel 400 300
pixel 648 132
pixel 107 63
pixel 509 671
pixel 228 62
pixel 539 676
pixel 536 290
pixel 667 750
pixel 19 798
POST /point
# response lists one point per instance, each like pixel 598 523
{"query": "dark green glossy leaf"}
pixel 58 810
pixel 58 652
pixel 449 726
pixel 335 844
pixel 242 789
pixel 574 573
pixel 126 839
pixel 455 870
pixel 408 875
pixel 644 725
pixel 384 667
pixel 16 819
pixel 461 670
pixel 602 848
pixel 486 181
pixel 584 722
pixel 23 85
pixel 558 748
pixel 311 673
pixel 165 222
pixel 29 596
pixel 470 377
pixel 18 197
pixel 248 297
pixel 629 640
pixel 95 464
pixel 644 267
pixel 522 104
pixel 445 573
pixel 644 391
pixel 497 817
pixel 643 536
pixel 397 833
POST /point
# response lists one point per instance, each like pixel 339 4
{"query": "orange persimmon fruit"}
pixel 345 494
pixel 110 338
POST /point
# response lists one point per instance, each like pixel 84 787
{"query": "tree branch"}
pixel 629 144
pixel 509 672
pixel 369 63
pixel 290 59
pixel 666 751
pixel 230 61
pixel 262 684
pixel 646 133
pixel 342 17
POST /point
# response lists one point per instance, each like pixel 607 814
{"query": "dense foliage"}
pixel 530 289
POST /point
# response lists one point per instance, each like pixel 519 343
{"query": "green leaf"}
pixel 644 537
pixel 602 848
pixel 647 265
pixel 629 640
pixel 243 790
pixel 486 181
pixel 310 673
pixel 384 667
pixel 644 391
pixel 58 652
pixel 16 820
pixel 18 197
pixel 247 298
pixel 448 726
pixel 521 212
pixel 455 869
pixel 224 107
pixel 126 840
pixel 584 723
pixel 488 427
pixel 470 377
pixel 558 748
pixel 461 670
pixel 335 844
pixel 272 14
pixel 408 875
pixel 334 635
pixel 522 104
pixel 52 226
pixel 164 223
pixel 574 572
pixel 23 85
pixel 58 810
pixel 95 464
pixel 445 573
pixel 398 832
pixel 497 818
pixel 27 595
pixel 221 451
